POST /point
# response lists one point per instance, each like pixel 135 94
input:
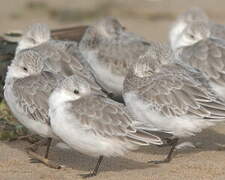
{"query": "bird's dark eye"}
pixel 76 91
pixel 24 68
pixel 192 36
pixel 32 40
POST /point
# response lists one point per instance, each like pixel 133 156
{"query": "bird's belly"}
pixel 180 126
pixel 105 75
pixel 110 81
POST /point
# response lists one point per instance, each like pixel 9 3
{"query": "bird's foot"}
pixel 159 161
pixel 36 158
pixel 91 174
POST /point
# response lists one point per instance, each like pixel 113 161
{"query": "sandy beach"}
pixel 151 19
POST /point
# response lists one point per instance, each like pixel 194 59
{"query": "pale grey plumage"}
pixel 97 125
pixel 107 118
pixel 195 15
pixel 110 50
pixel 62 57
pixel 206 54
pixel 217 30
pixel 190 16
pixel 27 90
pixel 93 124
pixel 34 35
pixel 59 56
pixel 113 47
pixel 111 28
pixel 172 97
pixel 32 93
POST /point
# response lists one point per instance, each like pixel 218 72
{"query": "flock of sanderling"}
pixel 114 91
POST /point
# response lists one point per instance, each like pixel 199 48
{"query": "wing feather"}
pixel 207 56
pixel 108 118
pixel 175 91
pixel 32 95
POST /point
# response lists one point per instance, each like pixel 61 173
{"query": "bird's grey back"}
pixel 63 57
pixel 118 51
pixel 207 56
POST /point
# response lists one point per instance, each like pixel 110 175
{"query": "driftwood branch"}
pixel 72 34
pixel 7 48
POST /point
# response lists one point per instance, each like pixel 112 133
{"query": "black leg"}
pixel 173 144
pixel 95 171
pixel 48 147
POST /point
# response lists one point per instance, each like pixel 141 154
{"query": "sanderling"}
pixel 195 15
pixel 26 92
pixel 110 50
pixel 198 49
pixel 61 57
pixel 93 124
pixel 170 97
pixel 64 58
pixel 191 15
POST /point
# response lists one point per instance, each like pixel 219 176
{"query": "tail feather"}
pixel 145 138
pixel 215 105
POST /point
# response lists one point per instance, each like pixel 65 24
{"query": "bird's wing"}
pixel 32 95
pixel 208 56
pixel 177 91
pixel 57 60
pixel 217 30
pixel 108 118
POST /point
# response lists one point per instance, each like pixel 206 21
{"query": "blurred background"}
pixel 149 18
